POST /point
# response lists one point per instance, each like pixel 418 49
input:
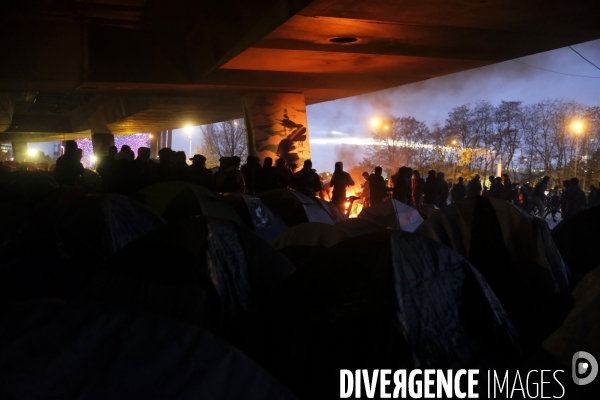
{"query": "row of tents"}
pixel 109 295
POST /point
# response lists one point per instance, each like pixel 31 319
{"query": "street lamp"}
pixel 189 130
pixel 577 126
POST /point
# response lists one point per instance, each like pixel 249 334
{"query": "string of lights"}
pixel 134 141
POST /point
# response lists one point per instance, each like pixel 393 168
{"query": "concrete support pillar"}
pixel 154 144
pixel 101 142
pixel 276 126
pixel 19 149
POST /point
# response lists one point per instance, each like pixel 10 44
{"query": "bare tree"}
pixel 224 139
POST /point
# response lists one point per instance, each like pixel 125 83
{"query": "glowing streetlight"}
pixel 454 142
pixel 386 127
pixel 189 130
pixel 93 158
pixel 577 127
pixel 31 152
pixel 375 122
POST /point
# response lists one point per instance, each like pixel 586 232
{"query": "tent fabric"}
pixel 91 180
pixel 394 214
pixel 98 225
pixel 391 299
pixel 175 199
pixel 359 226
pixel 580 331
pixel 577 240
pixel 333 211
pixel 53 351
pixel 426 210
pixel 294 207
pixel 513 255
pixel 26 188
pixel 302 242
pixel 204 271
pixel 257 216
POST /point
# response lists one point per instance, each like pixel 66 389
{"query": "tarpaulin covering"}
pixel 302 242
pixel 204 271
pixel 257 216
pixel 52 351
pixel 174 200
pixel 294 207
pixel 98 225
pixel 578 238
pixel 359 226
pixel 394 214
pixel 385 300
pixel 514 255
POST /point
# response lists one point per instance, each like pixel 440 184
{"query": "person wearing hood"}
pixel 377 187
pixel 340 180
pixel 306 181
pixel 416 188
pixel 474 187
pixel 430 189
pixel 443 190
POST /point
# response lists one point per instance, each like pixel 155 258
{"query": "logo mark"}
pixel 584 363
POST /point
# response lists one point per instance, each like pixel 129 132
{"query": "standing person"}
pixel 430 190
pixel 267 178
pixel 539 193
pixel 416 188
pixel 285 175
pixel 507 193
pixel 366 190
pixel 228 178
pixel 496 190
pixel 593 196
pixel 340 180
pixel 401 186
pixel 199 174
pixel 377 187
pixel 69 169
pixel 459 190
pixel 182 169
pixel 443 190
pixel 474 187
pixel 165 171
pixel 307 181
pixel 108 168
pixel 250 171
pixel 574 199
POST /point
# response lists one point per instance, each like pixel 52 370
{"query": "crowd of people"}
pixel 124 173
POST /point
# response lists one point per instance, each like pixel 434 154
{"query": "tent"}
pixel 199 270
pixel 359 226
pixel 49 350
pixel 256 215
pixel 96 226
pixel 174 200
pixel 516 257
pixel 302 242
pixel 294 207
pixel 333 211
pixel 389 299
pixel 26 188
pixel 91 180
pixel 426 210
pixel 394 214
pixel 577 239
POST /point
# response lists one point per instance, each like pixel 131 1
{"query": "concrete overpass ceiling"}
pixel 147 65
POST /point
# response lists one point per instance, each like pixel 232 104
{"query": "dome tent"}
pixel 514 255
pixel 385 300
pixel 359 226
pixel 294 207
pixel 393 214
pixel 256 215
pixel 51 350
pixel 200 270
pixel 175 199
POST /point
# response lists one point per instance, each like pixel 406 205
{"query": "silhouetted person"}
pixel 497 189
pixel 267 179
pixel 443 190
pixel 508 189
pixel 366 190
pixel 539 195
pixel 416 188
pixel 339 182
pixel 474 187
pixel 430 189
pixel 306 181
pixel 574 199
pixel 199 174
pixel 251 171
pixel 165 171
pixel 401 186
pixel 459 190
pixel 143 168
pixel 125 154
pixel 377 187
pixel 107 167
pixel 182 169
pixel 228 178
pixel 69 170
pixel 285 175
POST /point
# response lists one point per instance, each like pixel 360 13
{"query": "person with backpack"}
pixel 306 181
